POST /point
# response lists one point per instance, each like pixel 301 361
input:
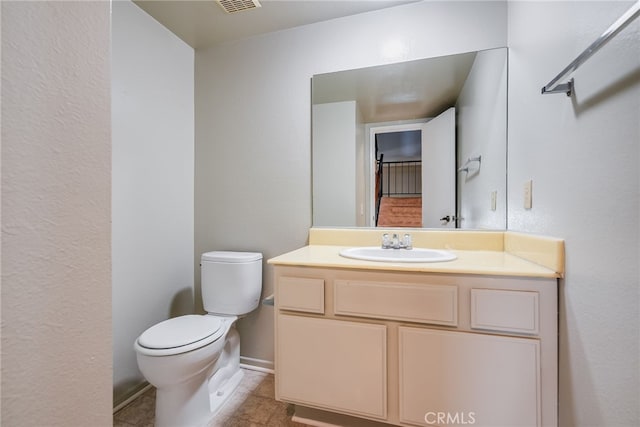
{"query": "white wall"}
pixel 56 181
pixel 334 166
pixel 482 131
pixel 153 169
pixel 253 111
pixel 583 155
pixel 362 213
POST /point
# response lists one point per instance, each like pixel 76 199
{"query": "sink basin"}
pixel 376 253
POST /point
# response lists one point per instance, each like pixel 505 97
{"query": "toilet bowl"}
pixel 182 373
pixel 194 360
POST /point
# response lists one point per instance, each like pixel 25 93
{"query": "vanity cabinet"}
pixel 417 349
pixel 483 379
pixel 334 364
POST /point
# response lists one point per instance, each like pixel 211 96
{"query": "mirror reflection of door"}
pixel 413 173
pixel 438 171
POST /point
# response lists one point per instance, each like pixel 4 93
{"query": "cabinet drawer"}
pixel 301 294
pixel 505 311
pixel 413 302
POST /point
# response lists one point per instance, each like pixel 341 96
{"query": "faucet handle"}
pixel 407 241
pixel 385 241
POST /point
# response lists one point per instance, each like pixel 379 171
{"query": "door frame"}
pixel 371 181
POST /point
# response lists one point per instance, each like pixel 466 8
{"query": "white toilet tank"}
pixel 231 282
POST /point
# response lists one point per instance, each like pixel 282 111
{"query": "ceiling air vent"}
pixel 232 6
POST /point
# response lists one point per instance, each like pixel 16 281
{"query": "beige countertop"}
pixel 467 262
pixel 491 253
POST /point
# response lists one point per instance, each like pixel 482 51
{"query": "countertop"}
pixel 484 262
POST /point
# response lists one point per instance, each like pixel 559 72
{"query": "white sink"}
pixel 376 253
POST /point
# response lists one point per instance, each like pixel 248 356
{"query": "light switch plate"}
pixel 528 187
pixel 494 197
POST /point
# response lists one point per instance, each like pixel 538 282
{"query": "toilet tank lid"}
pixel 231 256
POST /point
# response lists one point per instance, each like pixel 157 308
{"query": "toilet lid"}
pixel 179 331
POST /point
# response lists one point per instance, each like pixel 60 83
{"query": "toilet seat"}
pixel 180 335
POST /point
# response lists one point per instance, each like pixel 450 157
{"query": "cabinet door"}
pixel 331 364
pixel 458 378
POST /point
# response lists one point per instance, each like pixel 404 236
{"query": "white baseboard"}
pixel 131 398
pixel 257 364
pixel 311 422
pixel 319 418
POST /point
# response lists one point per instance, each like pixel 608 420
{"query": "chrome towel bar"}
pixel 554 87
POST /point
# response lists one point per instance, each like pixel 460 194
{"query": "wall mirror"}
pixel 419 144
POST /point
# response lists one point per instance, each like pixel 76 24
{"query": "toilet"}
pixel 194 360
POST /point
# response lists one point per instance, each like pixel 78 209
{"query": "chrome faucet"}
pixel 395 243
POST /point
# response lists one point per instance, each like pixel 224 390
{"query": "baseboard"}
pixel 319 418
pixel 131 398
pixel 310 422
pixel 257 364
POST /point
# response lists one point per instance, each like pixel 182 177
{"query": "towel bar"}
pixel 554 87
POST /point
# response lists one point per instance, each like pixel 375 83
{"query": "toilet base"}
pixel 195 403
pixel 218 398
pixel 228 375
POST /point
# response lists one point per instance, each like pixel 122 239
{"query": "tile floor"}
pixel 251 405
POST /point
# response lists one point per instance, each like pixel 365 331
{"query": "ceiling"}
pixel 203 23
pixel 418 89
pixel 401 91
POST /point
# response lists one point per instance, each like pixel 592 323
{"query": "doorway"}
pixel 412 174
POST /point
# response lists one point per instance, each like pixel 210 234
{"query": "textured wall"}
pixel 253 123
pixel 152 212
pixel 482 131
pixel 334 175
pixel 582 154
pixel 56 181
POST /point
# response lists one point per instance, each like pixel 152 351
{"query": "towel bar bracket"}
pixel 466 168
pixel 561 88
